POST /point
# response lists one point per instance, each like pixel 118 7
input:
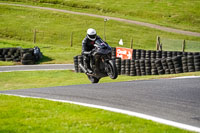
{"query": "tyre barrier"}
pixel 76 67
pixel 25 56
pixel 118 64
pixel 150 62
pixel 80 61
pixel 122 67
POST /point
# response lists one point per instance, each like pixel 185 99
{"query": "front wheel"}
pixel 112 69
pixel 93 79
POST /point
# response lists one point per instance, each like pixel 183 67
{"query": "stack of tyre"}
pixel 193 63
pixel 171 66
pixel 118 64
pixel 154 70
pixel 153 54
pixel 148 66
pixel 132 68
pixel 77 60
pixel 165 66
pixel 197 62
pixel 127 67
pixel 159 67
pixel 142 67
pixel 184 64
pixel 137 54
pixel 123 63
pixel 177 62
pixel 76 64
pixel 148 54
pixel 190 61
pixel 164 54
pixel 143 54
pixel 113 53
pixel 158 54
pixel 150 62
pixel 137 68
pixel 25 56
pixel 10 54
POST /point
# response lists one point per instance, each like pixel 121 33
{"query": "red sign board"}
pixel 124 53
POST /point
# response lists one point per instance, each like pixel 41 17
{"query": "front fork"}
pixel 96 63
pixel 106 65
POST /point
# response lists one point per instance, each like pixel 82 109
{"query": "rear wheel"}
pixel 112 70
pixel 93 79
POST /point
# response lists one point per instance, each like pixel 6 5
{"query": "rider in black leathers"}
pixel 87 47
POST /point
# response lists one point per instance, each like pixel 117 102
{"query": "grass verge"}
pixel 38 79
pixel 181 14
pixel 22 115
pixel 54 31
pixel 56 28
pixel 53 54
pixel 45 116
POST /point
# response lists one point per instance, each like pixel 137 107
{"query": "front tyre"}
pixel 112 69
pixel 93 79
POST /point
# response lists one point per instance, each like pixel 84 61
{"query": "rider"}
pixel 88 46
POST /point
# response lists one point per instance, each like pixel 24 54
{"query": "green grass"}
pixel 39 79
pixel 35 115
pixel 22 115
pixel 7 63
pixel 176 45
pixel 54 30
pixel 53 54
pixel 53 37
pixel 182 14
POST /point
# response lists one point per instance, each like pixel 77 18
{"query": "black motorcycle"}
pixel 101 63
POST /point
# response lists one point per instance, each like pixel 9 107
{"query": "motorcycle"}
pixel 101 63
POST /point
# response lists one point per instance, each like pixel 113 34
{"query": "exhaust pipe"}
pixel 83 68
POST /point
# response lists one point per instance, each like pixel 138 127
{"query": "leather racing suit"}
pixel 87 47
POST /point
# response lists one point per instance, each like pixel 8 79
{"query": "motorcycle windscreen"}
pixel 102 47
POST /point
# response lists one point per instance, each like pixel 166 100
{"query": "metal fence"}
pixel 69 38
pixel 177 45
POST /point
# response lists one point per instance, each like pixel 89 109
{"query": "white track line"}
pixel 34 70
pixel 131 113
pixel 186 77
pixel 37 65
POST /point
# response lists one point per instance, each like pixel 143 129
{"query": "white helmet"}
pixel 91 34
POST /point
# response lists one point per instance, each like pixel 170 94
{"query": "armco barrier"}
pixel 150 62
pixel 25 56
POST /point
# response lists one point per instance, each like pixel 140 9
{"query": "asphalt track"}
pixel 171 99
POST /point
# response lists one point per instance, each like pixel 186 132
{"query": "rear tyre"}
pixel 112 70
pixel 93 79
